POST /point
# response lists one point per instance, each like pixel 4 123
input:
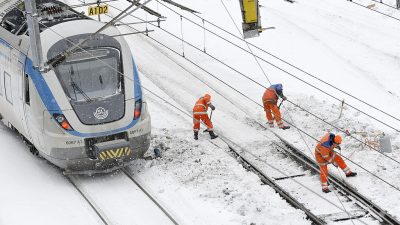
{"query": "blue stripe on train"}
pixel 52 106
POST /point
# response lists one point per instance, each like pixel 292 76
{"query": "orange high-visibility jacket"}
pixel 201 106
pixel 270 96
pixel 324 152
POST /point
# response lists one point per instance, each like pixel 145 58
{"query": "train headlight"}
pixel 62 121
pixel 138 109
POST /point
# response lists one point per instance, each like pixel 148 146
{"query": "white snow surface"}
pixel 345 45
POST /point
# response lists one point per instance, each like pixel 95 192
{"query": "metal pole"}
pixel 34 34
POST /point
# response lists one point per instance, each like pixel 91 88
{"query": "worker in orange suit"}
pixel 325 154
pixel 270 100
pixel 200 114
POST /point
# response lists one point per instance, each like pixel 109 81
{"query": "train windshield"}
pixel 91 74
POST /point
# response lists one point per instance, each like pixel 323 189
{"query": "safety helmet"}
pixel 338 139
pixel 207 97
pixel 278 88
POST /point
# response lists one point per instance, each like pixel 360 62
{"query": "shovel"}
pixel 206 130
pixel 279 106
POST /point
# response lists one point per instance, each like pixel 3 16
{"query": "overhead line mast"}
pixel 34 34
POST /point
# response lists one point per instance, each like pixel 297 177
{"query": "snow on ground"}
pixel 33 191
pixel 343 44
pixel 349 47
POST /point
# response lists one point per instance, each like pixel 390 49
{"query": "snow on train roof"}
pixel 51 13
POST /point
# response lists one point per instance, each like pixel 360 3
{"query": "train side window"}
pixel 27 95
pixel 7 87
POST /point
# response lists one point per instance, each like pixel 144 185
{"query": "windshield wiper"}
pixel 77 88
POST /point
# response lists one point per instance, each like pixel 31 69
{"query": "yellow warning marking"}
pixel 96 10
pixel 115 153
pixel 128 151
pixel 250 11
pixel 109 154
pixel 121 152
pixel 101 156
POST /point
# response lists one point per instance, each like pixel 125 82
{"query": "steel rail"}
pixel 343 186
pixel 129 175
pixel 270 182
pixel 99 213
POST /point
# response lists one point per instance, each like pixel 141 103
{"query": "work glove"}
pixel 212 107
pixel 284 98
pixel 338 147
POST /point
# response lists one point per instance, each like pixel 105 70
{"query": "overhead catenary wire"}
pixel 189 115
pixel 220 61
pixel 287 63
pixel 247 44
pixel 196 65
pixel 60 57
pixel 235 70
pixel 125 75
pixel 264 161
pixel 269 81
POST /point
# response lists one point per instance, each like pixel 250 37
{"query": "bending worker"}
pixel 270 100
pixel 200 113
pixel 325 154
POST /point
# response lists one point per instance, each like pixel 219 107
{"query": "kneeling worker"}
pixel 324 154
pixel 200 113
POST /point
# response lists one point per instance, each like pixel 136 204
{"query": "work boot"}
pixel 326 190
pixel 351 174
pixel 284 127
pixel 212 135
pixel 196 135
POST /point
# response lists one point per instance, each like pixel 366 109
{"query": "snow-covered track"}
pixel 300 157
pixel 77 186
pixel 353 206
pixel 119 199
pixel 150 196
pixel 269 181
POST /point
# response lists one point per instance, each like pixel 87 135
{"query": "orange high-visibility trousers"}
pixel 273 108
pixel 204 118
pixel 323 167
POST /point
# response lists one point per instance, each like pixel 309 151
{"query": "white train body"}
pixel 85 115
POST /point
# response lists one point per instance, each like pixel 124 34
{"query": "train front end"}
pixel 95 118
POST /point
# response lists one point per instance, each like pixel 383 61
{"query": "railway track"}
pixel 101 205
pixel 356 207
pixel 300 157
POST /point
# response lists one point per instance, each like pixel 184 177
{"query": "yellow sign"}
pixel 96 10
pixel 250 11
pixel 115 153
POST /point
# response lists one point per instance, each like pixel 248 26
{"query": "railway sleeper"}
pixel 343 216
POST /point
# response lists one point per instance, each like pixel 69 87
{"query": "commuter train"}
pixel 85 115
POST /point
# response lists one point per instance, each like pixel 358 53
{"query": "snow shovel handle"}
pixel 206 130
pixel 279 106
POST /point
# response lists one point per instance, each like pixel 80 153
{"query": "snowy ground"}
pixel 341 43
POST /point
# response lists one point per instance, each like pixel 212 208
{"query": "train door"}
pixel 24 97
